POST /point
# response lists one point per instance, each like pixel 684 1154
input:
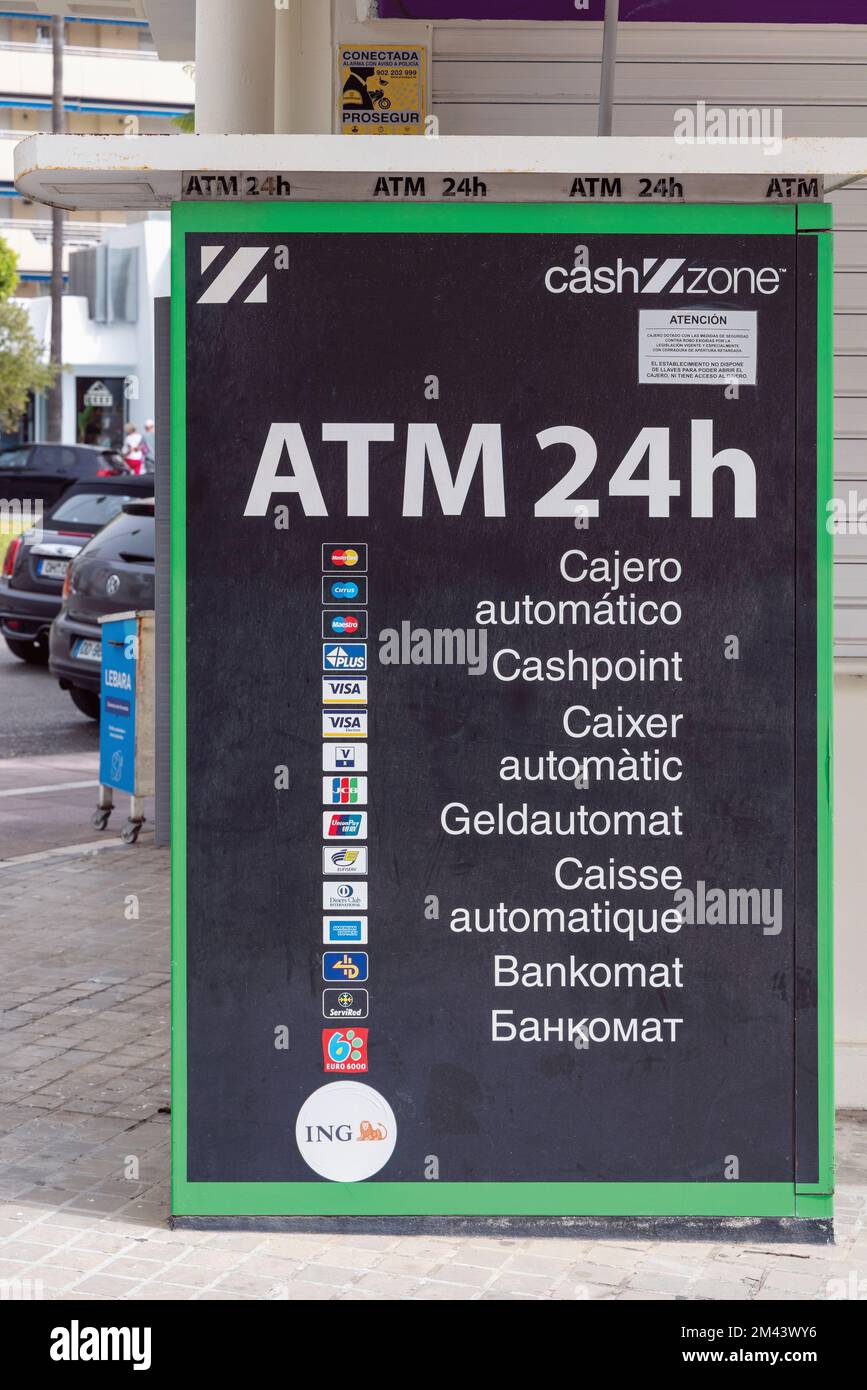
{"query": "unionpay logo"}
pixel 344 1049
pixel 345 825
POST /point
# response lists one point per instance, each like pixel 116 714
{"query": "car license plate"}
pixel 85 650
pixel 52 569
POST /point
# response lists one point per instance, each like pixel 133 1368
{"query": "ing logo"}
pixel 239 277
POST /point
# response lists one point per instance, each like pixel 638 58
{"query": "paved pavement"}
pixel 84 1013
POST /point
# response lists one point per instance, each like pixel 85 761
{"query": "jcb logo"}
pixel 238 274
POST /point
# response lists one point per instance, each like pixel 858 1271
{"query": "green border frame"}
pixel 384 1198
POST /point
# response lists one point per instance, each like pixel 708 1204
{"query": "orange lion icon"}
pixel 369 1131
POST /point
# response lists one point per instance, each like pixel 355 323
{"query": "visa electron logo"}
pixel 344 1049
pixel 668 276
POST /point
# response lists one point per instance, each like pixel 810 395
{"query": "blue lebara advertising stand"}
pixel 126 718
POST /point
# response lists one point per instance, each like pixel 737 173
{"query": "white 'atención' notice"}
pixel 697 347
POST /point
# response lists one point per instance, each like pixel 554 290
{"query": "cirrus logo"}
pixel 345 589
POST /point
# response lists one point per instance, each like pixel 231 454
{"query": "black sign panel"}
pixel 500 695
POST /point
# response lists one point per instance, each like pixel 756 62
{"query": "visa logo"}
pixel 352 724
pixel 344 656
pixel 344 825
pixel 344 931
pixel 349 967
pixel 344 691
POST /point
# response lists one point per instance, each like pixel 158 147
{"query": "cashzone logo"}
pixel 671 275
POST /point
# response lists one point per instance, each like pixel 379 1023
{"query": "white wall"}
pixel 118 349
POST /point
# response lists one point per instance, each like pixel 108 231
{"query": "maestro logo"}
pixel 344 624
pixel 661 275
pixel 346 1131
pixel 344 1049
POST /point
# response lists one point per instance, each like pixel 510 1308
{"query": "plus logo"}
pixel 239 277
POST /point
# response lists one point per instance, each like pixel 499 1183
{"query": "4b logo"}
pixel 344 791
pixel 236 274
pixel 344 1049
pixel 347 967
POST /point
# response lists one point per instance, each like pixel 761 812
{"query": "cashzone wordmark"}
pixel 501 716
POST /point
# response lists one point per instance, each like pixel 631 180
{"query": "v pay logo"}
pixel 232 277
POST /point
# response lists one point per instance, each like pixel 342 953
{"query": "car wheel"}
pixel 34 653
pixel 85 700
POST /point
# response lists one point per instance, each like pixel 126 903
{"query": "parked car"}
pixel 114 573
pixel 35 563
pixel 43 472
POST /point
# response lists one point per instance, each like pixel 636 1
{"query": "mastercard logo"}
pixel 349 558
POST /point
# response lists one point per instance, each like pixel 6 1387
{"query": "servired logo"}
pixel 344 1049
